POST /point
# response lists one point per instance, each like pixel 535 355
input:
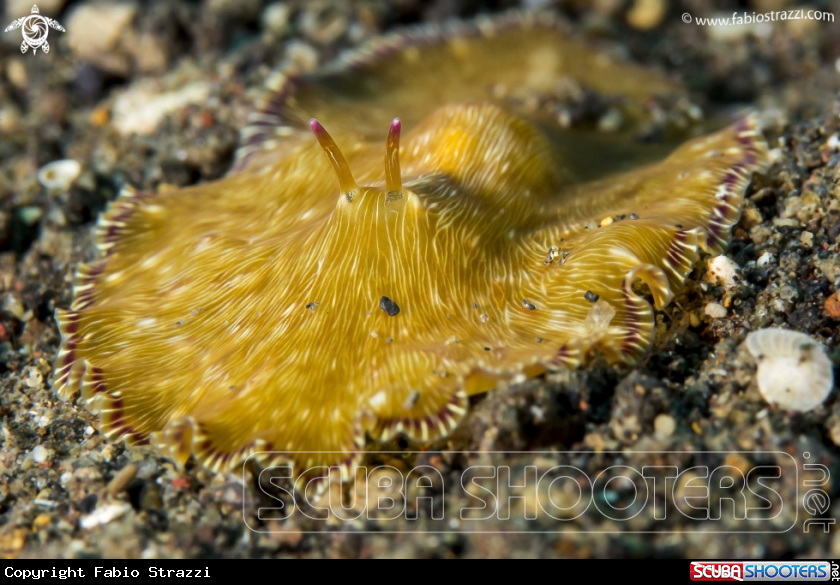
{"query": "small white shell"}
pixel 723 270
pixel 794 371
pixel 59 174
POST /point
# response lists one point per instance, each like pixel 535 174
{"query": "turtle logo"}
pixel 35 30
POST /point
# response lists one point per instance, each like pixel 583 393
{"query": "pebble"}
pixel 736 31
pixel 664 426
pixel 647 14
pixel 16 72
pixel 235 9
pixel 142 107
pixel 832 306
pixel 789 292
pixel 322 26
pixel 122 479
pixel 715 311
pixel 34 379
pixel 23 7
pixel 723 270
pixel 275 18
pixel 40 454
pixel 765 259
pixel 300 57
pixel 103 515
pixel 13 305
pixel 150 497
pixel 793 205
pixel 611 121
pixel 694 319
pixel 30 215
pixel 94 30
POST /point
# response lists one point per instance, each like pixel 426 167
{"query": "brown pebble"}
pixel 42 521
pixel 12 542
pixel 120 481
pixel 150 497
pixel 647 14
pixel 832 306
pixel 99 117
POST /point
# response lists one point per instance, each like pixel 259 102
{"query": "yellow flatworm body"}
pixel 367 280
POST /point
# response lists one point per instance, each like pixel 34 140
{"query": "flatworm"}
pixel 319 293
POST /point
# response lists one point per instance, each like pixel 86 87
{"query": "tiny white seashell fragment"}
pixel 723 270
pixel 794 371
pixel 59 175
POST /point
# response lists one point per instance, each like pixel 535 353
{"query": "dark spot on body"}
pixel 389 306
pixel 591 296
pixel 412 399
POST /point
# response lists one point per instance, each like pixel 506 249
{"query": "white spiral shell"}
pixel 794 371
